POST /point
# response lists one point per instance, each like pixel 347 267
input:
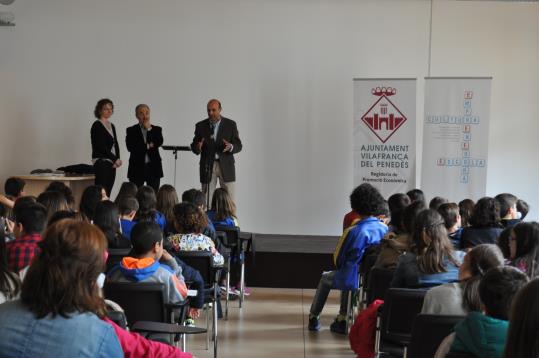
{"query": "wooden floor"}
pixel 273 323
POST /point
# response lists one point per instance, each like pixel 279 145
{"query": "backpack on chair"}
pixel 363 332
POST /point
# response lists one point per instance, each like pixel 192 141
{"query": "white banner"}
pixel 455 137
pixel 384 134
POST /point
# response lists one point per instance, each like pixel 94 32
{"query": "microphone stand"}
pixel 175 149
pixel 209 171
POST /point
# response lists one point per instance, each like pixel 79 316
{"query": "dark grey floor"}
pixel 289 261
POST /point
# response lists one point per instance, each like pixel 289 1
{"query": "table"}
pixel 36 184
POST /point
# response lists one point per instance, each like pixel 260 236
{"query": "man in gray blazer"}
pixel 216 140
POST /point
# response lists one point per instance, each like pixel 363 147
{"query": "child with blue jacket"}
pixel 365 231
pixel 223 209
pixel 151 263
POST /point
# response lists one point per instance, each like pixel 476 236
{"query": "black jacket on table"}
pixel 136 145
pixel 102 142
pixel 227 131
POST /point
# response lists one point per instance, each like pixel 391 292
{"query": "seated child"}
pixel 398 241
pixel 107 218
pixel 14 188
pixel 150 263
pixel 508 209
pixel 190 221
pixel 524 323
pixel 147 210
pixel 484 334
pixel 128 207
pixel 431 261
pixel 364 232
pixel 524 248
pixel 196 197
pixel 30 220
pixel 223 209
pixel 460 298
pixel 223 213
pixel 450 214
pixel 167 198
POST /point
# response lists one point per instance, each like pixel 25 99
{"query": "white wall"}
pixel 500 40
pixel 283 70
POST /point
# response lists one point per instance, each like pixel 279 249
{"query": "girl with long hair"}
pixel 91 196
pixel 60 311
pixel 223 209
pixel 460 298
pixel 523 334
pixel 53 201
pixel 524 248
pixel 167 198
pixel 466 207
pixel 147 210
pixel 107 218
pixel 431 260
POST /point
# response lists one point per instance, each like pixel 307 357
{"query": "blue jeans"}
pixel 197 283
pixel 322 292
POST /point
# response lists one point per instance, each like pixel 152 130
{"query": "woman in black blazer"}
pixel 105 149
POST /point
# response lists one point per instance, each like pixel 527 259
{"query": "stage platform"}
pixel 289 261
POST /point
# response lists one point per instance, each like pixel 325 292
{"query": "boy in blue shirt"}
pixel 365 231
pixel 128 209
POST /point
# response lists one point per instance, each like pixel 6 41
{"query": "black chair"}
pixel 234 240
pixel 378 284
pixel 428 332
pixel 115 256
pixel 369 259
pixel 394 322
pixel 459 355
pixel 117 317
pixel 357 298
pixel 221 237
pixel 202 261
pixel 146 310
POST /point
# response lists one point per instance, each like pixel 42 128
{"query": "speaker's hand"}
pixel 228 146
pixel 199 145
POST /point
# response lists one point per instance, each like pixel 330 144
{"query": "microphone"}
pixel 181 148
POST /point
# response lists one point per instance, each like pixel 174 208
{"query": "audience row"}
pixel 52 260
pixel 471 258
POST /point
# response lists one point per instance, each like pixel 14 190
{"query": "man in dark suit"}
pixel 143 141
pixel 216 140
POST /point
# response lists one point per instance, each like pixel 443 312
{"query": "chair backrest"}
pixel 141 301
pixel 117 317
pixel 368 261
pixel 232 237
pixel 459 355
pixel 202 261
pixel 378 283
pixel 115 256
pixel 428 332
pixel 401 306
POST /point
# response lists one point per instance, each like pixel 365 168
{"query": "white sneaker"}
pixel 234 291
